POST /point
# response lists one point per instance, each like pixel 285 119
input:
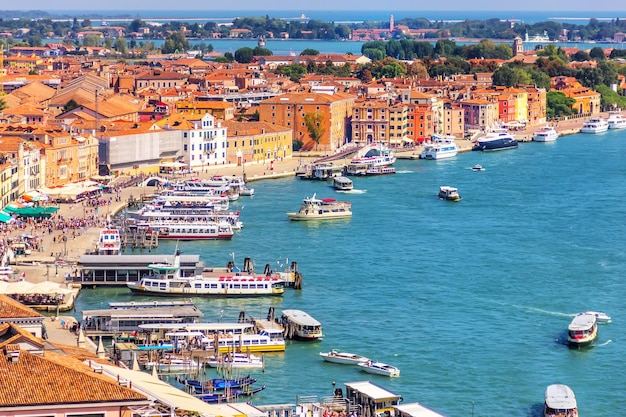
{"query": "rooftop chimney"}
pixel 13 353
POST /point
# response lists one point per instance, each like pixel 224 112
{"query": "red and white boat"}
pixel 182 230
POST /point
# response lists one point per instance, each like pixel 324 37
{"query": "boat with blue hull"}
pixel 498 139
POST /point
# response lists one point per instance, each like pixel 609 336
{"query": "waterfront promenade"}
pixel 60 249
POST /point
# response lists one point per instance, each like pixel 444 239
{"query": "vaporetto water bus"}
pixel 166 280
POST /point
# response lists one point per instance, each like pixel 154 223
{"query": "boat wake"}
pixel 353 191
pixel 546 312
pixel 404 172
pixel 605 343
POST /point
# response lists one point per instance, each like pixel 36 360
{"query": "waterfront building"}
pixel 479 114
pixel 429 112
pixel 202 139
pixel 453 122
pixel 370 122
pixel 291 109
pixel 257 142
pixel 537 105
pixel 587 100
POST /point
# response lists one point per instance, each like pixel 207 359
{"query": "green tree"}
pixel 120 46
pixel 313 122
pixel 309 52
pixel 222 60
pixel 175 43
pixel 3 104
pixel 259 51
pixel 70 105
pixel 91 40
pixel 295 71
pixel 135 25
pixel 597 53
pixel 244 55
pixel 558 104
pixel 86 23
pixel 610 99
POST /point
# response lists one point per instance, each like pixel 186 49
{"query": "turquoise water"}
pixel 471 300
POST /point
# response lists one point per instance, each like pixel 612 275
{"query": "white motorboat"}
pixel 595 125
pixel 441 147
pixel 546 134
pixel 300 325
pixel 582 331
pixel 174 364
pixel 449 193
pixel 379 368
pixel 321 209
pixel 477 167
pixel 344 358
pixel 616 121
pixel 601 318
pixel 236 360
pixel 342 183
pixel 560 401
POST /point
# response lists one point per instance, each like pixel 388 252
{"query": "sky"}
pixel 300 5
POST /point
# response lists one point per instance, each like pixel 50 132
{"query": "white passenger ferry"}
pixel 238 337
pixel 166 280
pixel 314 208
pixel 299 325
pixel 189 230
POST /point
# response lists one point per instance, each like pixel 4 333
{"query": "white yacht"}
pixel 441 147
pixel 546 134
pixel 616 121
pixel 595 125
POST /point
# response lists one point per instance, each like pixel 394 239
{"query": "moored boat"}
pixel 496 140
pixel 300 325
pixel 380 170
pixel 546 134
pixel 601 318
pixel 190 230
pixel 595 125
pixel 582 331
pixel 560 401
pixel 449 193
pixel 166 280
pixel 344 358
pixel 236 361
pixel 379 368
pixel 321 209
pixel 342 183
pixel 616 121
pixel 442 147
pixel 375 154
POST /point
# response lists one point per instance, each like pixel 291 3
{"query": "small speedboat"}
pixel 601 318
pixel 343 357
pixel 380 368
pixel 477 167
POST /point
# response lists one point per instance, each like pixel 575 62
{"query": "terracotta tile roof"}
pixel 11 309
pixel 12 334
pixel 56 379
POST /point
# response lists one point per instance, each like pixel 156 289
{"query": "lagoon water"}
pixel 471 300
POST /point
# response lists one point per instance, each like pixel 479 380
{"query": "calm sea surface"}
pixel 471 300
